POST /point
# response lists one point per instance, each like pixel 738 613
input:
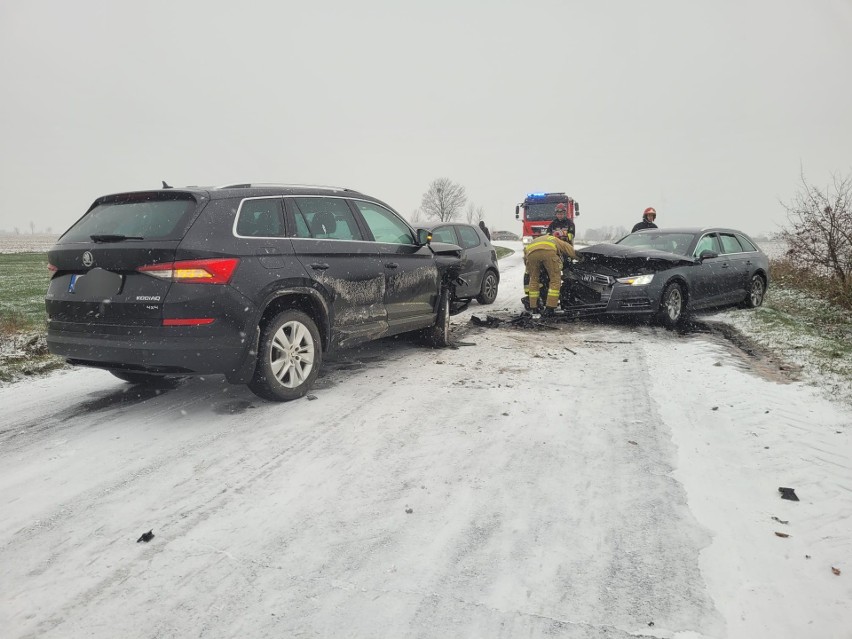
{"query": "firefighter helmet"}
pixel 650 211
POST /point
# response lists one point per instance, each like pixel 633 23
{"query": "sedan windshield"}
pixel 540 212
pixel 677 243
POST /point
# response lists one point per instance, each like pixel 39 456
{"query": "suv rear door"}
pixel 96 280
pixel 348 267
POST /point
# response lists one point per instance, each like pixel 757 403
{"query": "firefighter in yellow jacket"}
pixel 546 251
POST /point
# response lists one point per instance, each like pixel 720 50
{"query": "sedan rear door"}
pixel 739 267
pixel 344 264
pixel 475 258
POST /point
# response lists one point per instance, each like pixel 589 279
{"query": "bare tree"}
pixel 32 227
pixel 415 216
pixel 17 231
pixel 819 234
pixel 444 200
pixel 474 213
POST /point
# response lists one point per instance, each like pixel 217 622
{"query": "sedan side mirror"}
pixel 707 254
pixel 424 237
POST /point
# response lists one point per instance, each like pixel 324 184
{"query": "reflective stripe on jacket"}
pixel 550 243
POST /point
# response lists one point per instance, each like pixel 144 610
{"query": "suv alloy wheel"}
pixel 288 357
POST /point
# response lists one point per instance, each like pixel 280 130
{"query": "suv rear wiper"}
pixel 105 237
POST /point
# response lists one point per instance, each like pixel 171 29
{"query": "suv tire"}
pixel 288 357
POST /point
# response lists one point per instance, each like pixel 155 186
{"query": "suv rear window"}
pixel 137 216
pixel 325 218
pixel 260 217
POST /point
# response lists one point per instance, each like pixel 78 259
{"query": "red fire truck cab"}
pixel 536 212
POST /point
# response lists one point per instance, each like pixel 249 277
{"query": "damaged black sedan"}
pixel 667 273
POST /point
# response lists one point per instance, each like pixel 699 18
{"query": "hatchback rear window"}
pixel 469 237
pixel 137 217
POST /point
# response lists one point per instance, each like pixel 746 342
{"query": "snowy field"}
pixel 26 243
pixel 773 250
pixel 599 480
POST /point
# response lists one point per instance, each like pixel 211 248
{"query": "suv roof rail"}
pixel 248 185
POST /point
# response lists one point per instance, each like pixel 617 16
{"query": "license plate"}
pixel 96 283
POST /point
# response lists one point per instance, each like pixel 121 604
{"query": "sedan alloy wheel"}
pixel 671 306
pixel 756 292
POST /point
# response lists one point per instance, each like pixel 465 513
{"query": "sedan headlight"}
pixel 636 280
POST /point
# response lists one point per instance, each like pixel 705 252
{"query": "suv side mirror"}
pixel 707 254
pixel 424 237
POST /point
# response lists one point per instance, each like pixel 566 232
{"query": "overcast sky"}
pixel 706 110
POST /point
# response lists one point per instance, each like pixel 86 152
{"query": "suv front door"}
pixel 412 281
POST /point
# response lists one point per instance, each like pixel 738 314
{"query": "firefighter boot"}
pixel 525 300
pixel 548 312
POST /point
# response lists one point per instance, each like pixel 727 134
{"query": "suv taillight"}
pixel 215 271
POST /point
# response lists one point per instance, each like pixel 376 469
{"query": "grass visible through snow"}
pixel 805 330
pixel 23 283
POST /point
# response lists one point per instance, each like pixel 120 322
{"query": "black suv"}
pixel 252 281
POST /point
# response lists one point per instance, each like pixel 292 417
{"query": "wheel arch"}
pixel 305 299
pixel 309 302
pixel 684 287
pixel 762 272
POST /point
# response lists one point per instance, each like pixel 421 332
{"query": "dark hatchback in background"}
pixel 254 282
pixel 478 268
pixel 667 273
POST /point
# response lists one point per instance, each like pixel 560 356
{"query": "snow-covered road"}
pixel 600 480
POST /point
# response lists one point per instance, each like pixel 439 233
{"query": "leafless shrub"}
pixel 819 234
pixel 787 272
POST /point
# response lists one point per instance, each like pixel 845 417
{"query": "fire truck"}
pixel 536 212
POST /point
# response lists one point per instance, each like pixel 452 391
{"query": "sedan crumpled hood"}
pixel 622 261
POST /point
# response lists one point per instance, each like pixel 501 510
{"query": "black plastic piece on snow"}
pixel 788 493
